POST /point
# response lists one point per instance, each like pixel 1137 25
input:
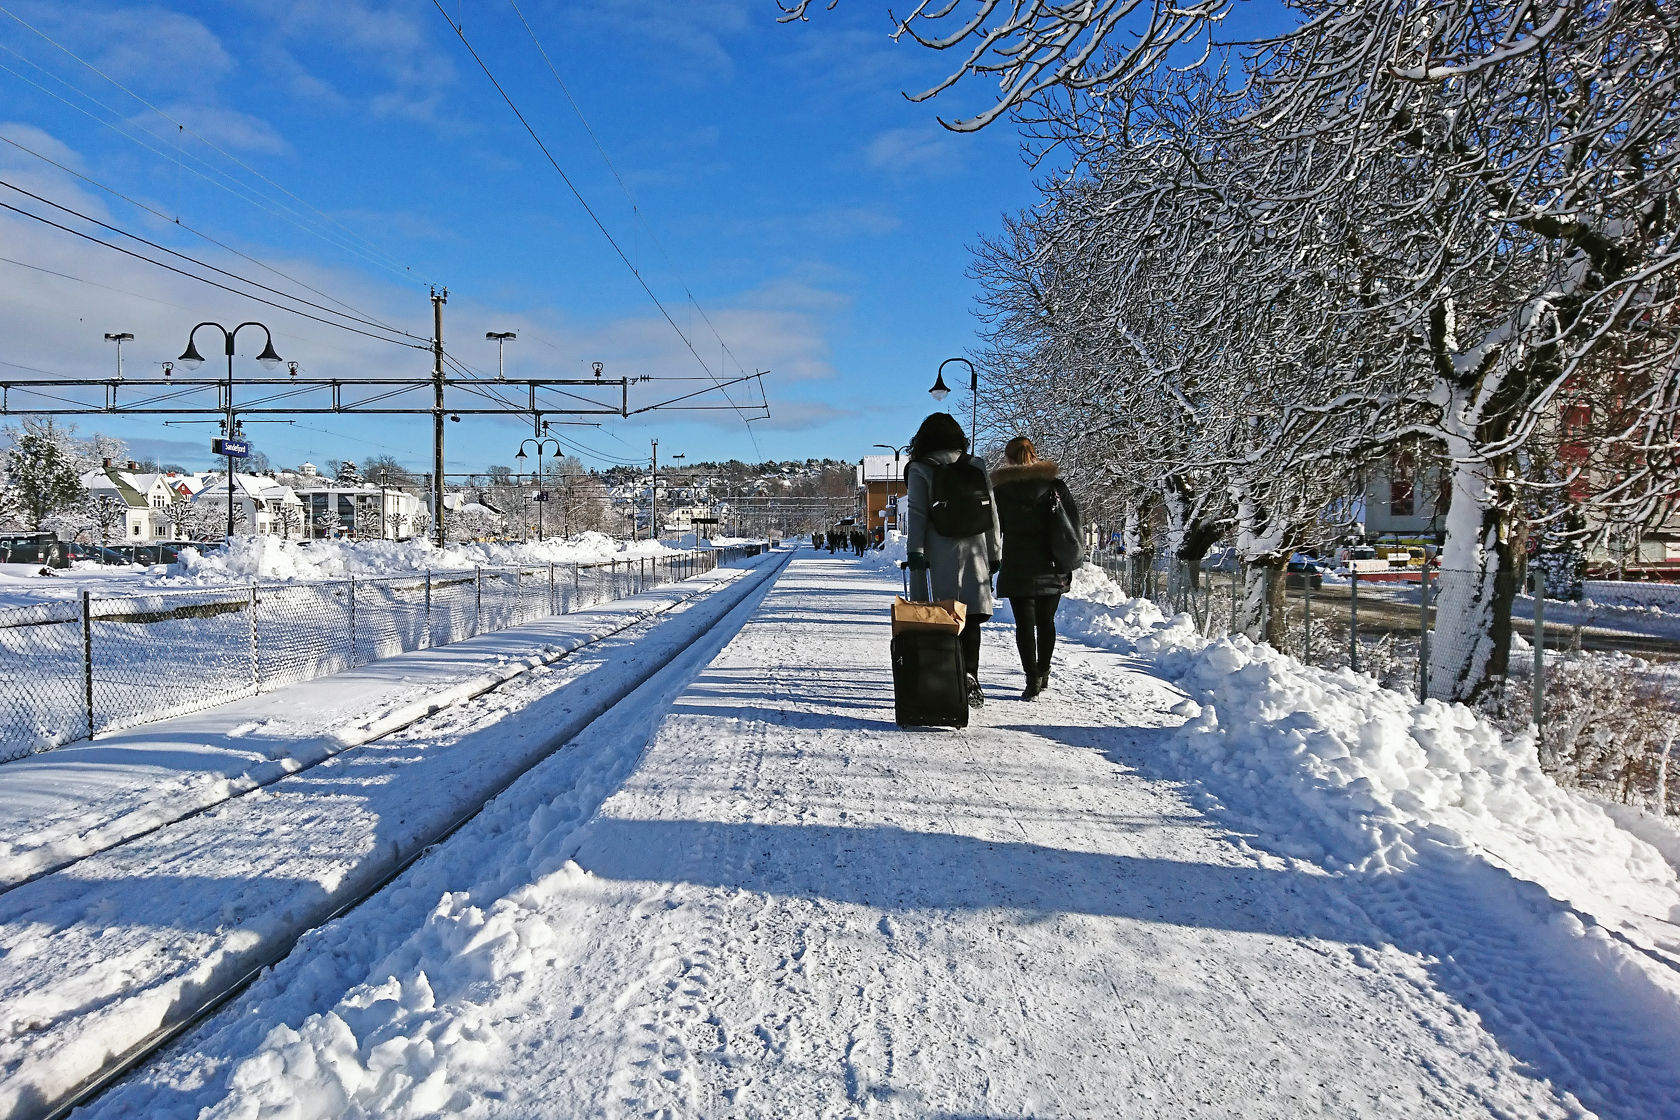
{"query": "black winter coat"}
pixel 1021 494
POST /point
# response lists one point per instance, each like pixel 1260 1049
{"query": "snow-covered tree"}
pixel 41 475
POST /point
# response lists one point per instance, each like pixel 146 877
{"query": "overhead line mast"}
pixel 438 300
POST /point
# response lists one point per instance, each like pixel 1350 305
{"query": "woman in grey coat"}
pixel 959 567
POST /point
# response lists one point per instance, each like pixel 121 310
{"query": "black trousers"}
pixel 1035 631
pixel 971 644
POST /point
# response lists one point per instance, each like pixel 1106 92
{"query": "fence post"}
pixel 428 609
pixel 553 608
pixel 1423 632
pixel 577 583
pixel 350 597
pixel 1306 612
pixel 256 666
pixel 1353 618
pixel 1539 689
pixel 87 658
pixel 478 600
pixel 1236 592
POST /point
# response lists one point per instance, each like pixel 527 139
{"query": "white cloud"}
pixel 224 128
pixel 921 151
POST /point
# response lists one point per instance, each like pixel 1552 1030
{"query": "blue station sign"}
pixel 231 448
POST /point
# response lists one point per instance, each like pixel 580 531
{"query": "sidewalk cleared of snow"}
pixel 1193 879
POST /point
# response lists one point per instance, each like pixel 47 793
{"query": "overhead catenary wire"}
pixel 578 195
pixel 418 344
pixel 206 280
pixel 635 207
pixel 177 222
pixel 369 251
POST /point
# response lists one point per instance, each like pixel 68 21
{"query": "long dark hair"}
pixel 939 432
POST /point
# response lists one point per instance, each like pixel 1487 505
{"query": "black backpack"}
pixel 960 504
pixel 1061 531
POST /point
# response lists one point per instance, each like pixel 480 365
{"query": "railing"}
pixel 70 669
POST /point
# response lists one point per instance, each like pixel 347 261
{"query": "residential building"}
pixel 143 501
pixel 267 506
pixel 360 509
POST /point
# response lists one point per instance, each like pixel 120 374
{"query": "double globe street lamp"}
pixel 192 359
pixel 542 497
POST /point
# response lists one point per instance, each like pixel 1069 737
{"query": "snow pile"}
pixel 1330 767
pixel 247 559
pixel 1620 592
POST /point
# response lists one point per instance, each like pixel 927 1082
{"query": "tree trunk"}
pixel 1476 586
pixel 1261 610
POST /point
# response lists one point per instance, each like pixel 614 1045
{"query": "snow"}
pixel 215 894
pixel 268 559
pixel 1195 878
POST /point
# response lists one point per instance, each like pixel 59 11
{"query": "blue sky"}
pixel 819 218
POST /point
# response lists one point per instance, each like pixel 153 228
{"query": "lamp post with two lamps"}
pixel 192 359
pixel 941 390
pixel 539 441
pixel 896 450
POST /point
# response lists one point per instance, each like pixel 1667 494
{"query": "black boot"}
pixel 976 698
pixel 1035 685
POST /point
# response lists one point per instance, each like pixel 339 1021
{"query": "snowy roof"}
pixel 881 468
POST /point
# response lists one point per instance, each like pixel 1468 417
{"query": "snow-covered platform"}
pixel 745 892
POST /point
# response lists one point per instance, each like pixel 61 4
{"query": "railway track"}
pixel 676 657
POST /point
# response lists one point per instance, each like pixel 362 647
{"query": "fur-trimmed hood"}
pixel 1044 470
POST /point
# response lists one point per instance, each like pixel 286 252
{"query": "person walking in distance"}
pixel 1040 552
pixel 953 530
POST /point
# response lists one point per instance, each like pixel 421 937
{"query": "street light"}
pixel 500 338
pixel 119 339
pixel 192 359
pixel 895 450
pixel 941 390
pixel 541 499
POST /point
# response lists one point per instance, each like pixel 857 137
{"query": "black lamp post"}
pixel 896 451
pixel 192 359
pixel 541 500
pixel 941 390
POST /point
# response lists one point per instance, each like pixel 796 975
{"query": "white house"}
pixel 264 501
pixel 144 500
pixel 359 509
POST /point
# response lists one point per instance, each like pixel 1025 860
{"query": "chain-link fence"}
pixel 1601 683
pixel 72 669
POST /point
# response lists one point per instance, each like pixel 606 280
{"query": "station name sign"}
pixel 231 448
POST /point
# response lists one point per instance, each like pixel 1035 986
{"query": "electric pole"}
pixel 653 497
pixel 438 300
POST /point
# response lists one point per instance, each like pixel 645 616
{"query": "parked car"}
pixel 97 553
pixel 33 548
pixel 1299 574
pixel 1220 558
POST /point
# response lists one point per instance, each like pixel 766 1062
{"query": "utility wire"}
pixel 176 221
pixel 416 340
pixel 206 280
pixel 402 270
pixel 635 207
pixel 461 34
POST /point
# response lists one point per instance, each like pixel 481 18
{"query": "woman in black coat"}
pixel 1031 499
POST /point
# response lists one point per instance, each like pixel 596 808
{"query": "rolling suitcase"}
pixel 929 686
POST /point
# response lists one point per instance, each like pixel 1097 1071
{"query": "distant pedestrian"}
pixel 817 541
pixel 833 540
pixel 1040 552
pixel 953 529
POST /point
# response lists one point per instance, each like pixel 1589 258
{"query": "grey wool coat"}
pixel 958 567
